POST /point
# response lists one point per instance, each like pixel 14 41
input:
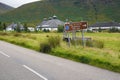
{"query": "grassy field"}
pixel 107 57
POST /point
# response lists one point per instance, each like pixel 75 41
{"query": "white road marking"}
pixel 35 72
pixel 4 54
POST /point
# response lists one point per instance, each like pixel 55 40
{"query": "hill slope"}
pixel 4 8
pixel 75 10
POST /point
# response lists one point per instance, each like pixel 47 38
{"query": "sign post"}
pixel 83 40
pixel 67 29
pixel 74 26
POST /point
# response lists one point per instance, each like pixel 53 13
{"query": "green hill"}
pixel 5 8
pixel 74 10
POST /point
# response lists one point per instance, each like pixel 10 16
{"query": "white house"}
pixel 52 24
pixel 13 26
pixel 104 26
pixel 31 29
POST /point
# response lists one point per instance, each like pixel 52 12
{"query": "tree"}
pixel 99 30
pixel 18 28
pixel 46 30
pixel 25 27
pixel 4 26
pixel 60 28
pixel 113 29
pixel 1 26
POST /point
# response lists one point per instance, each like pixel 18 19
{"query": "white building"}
pixel 31 29
pixel 52 24
pixel 13 26
pixel 104 26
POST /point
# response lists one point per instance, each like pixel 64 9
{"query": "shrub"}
pixel 60 28
pixel 84 59
pixel 47 35
pixel 17 34
pixel 46 30
pixel 89 31
pixel 45 47
pixel 52 42
pixel 3 33
pixel 113 29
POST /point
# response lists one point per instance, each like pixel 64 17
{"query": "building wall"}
pixel 50 29
pixel 105 28
pixel 9 29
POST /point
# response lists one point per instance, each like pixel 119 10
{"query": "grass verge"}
pixel 107 57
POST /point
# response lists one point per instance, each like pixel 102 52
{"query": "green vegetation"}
pixel 74 10
pixel 88 43
pixel 60 28
pixel 113 30
pixel 107 57
pixel 2 26
pixel 51 43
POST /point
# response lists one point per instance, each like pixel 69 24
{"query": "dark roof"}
pixel 105 24
pixel 14 25
pixel 51 22
pixel 54 23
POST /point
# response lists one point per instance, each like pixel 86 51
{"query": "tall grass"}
pixel 88 43
pixel 52 42
pixel 95 43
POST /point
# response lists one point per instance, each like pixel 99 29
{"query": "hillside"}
pixel 4 8
pixel 75 10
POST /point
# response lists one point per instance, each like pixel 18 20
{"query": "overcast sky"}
pixel 16 3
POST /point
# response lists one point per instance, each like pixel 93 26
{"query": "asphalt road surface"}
pixel 17 63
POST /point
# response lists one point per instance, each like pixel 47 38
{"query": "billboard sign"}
pixel 75 26
pixel 79 25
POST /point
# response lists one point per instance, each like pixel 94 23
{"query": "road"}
pixel 17 63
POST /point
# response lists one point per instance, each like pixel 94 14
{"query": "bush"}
pixel 45 47
pixel 17 34
pixel 52 42
pixel 46 30
pixel 113 29
pixel 60 28
pixel 3 33
pixel 89 31
pixel 84 59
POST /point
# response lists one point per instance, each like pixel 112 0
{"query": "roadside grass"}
pixel 107 57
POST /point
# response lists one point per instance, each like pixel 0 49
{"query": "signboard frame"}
pixel 75 26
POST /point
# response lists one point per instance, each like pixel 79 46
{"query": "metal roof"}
pixel 106 24
pixel 53 23
pixel 13 25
